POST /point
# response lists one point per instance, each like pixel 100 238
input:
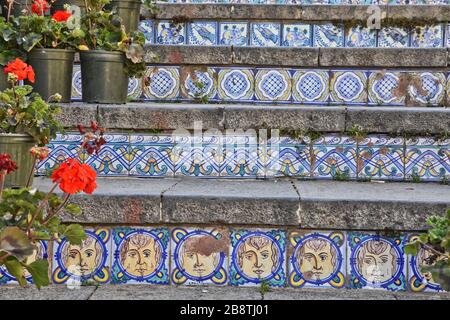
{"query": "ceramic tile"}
pixel 90 261
pixel 141 255
pixel 233 33
pixel 348 87
pixel 297 35
pixel 427 159
pixel 202 33
pixel 334 157
pixel 146 27
pixel 162 83
pixel 328 36
pixel 317 259
pixel 265 34
pixel 134 88
pixel 392 37
pixel 361 37
pixel 384 88
pixel 427 88
pixel 200 256
pixel 241 157
pixel 381 158
pixel 171 33
pixel 76 82
pixel 430 36
pixel 310 86
pixel 419 281
pixel 40 252
pixel 273 85
pixel 112 157
pixel 256 256
pixel 236 84
pixel 376 262
pixel 448 35
pixel 198 83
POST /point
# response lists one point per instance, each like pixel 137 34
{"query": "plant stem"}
pixel 39 208
pixel 54 213
pixel 31 171
pixel 2 183
pixel 4 257
pixel 434 250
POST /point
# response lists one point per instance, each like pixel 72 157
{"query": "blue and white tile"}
pixel 236 84
pixel 147 28
pixel 241 157
pixel 161 83
pixel 198 83
pixel 297 35
pixel 170 33
pixel 334 156
pixel 427 159
pixel 393 37
pixel 257 256
pixel 381 158
pixel 361 37
pixel 140 255
pixel 203 33
pixel 348 87
pixel 233 34
pixel 328 35
pixel 429 89
pixel 384 88
pixel 91 261
pixel 376 262
pixel 317 259
pixel 273 85
pixel 134 89
pixel 200 256
pixel 447 32
pixel 151 155
pixel 430 36
pixel 310 86
pixel 112 157
pixel 265 34
pixel 76 83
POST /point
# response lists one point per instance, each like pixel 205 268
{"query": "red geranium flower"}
pixel 61 15
pixel 20 69
pixel 6 164
pixel 74 177
pixel 40 7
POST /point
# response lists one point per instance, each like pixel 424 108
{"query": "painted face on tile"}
pixel 317 259
pixel 377 261
pixel 83 259
pixel 258 257
pixel 140 255
pixel 196 263
pixel 427 258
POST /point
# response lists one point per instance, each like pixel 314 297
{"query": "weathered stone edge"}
pixel 143 117
pixel 187 12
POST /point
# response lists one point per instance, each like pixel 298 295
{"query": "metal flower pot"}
pixel 16 9
pixel 129 11
pixel 103 77
pixel 18 146
pixel 53 69
pixel 59 5
pixel 3 80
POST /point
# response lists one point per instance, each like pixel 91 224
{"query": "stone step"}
pixel 153 117
pixel 155 292
pixel 288 203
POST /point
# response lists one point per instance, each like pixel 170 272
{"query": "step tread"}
pixel 285 202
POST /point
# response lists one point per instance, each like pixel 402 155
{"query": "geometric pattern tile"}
pixel 348 87
pixel 310 86
pixel 236 84
pixel 273 85
pixel 383 88
pixel 429 89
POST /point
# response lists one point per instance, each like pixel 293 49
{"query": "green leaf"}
pixel 73 209
pixel 39 272
pixel 16 269
pixel 14 241
pixel 412 248
pixel 440 273
pixel 75 234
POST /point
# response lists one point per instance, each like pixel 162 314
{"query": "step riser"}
pixel 229 256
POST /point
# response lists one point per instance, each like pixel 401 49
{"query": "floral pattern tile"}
pixel 361 37
pixel 348 87
pixel 310 86
pixel 171 33
pixel 383 88
pixel 233 33
pixel 430 36
pixel 273 85
pixel 297 35
pixel 162 83
pixel 427 88
pixel 198 83
pixel 236 84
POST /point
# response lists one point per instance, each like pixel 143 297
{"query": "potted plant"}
pixel 50 42
pixel 25 120
pixel 108 56
pixel 9 49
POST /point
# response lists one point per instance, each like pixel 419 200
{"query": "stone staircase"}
pixel 286 149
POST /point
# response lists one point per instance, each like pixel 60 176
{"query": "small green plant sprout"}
pixel 436 241
pixel 264 288
pixel 415 177
pixel 357 132
pixel 341 176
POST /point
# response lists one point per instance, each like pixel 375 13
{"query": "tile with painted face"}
pixel 317 259
pixel 376 262
pixel 258 256
pixel 140 255
pixel 200 256
pixel 79 263
pixel 40 252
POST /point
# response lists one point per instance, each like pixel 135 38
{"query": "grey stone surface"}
pixel 139 116
pixel 419 13
pixel 394 120
pixel 15 292
pixel 327 119
pixel 383 57
pixel 372 206
pixel 189 54
pixel 338 12
pixel 76 113
pixel 231 202
pixel 278 57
